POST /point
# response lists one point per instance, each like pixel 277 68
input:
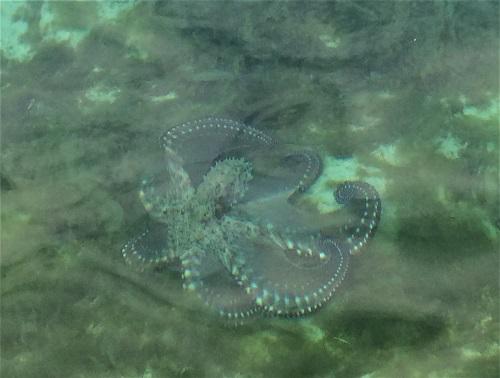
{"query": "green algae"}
pixel 402 94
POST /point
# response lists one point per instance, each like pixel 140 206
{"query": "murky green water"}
pixel 403 95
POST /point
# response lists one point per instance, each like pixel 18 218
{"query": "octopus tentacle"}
pixel 200 142
pixel 291 277
pixel 206 275
pixel 211 270
pixel 149 248
pixel 313 169
pixel 363 203
pixel 283 169
pixel 168 192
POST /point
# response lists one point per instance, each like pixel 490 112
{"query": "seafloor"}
pixel 404 95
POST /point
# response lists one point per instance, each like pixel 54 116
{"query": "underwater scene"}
pixel 250 189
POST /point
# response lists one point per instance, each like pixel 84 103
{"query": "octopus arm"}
pixel 289 274
pixel 364 207
pixel 207 275
pixel 149 248
pixel 199 143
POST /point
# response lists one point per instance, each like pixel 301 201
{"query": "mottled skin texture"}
pixel 225 205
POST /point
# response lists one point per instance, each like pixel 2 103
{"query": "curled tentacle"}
pixel 149 248
pixel 364 206
pixel 287 274
pixel 311 172
pixel 200 142
pixel 280 170
pixel 290 278
pixel 206 275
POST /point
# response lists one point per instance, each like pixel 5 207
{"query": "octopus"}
pixel 226 204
